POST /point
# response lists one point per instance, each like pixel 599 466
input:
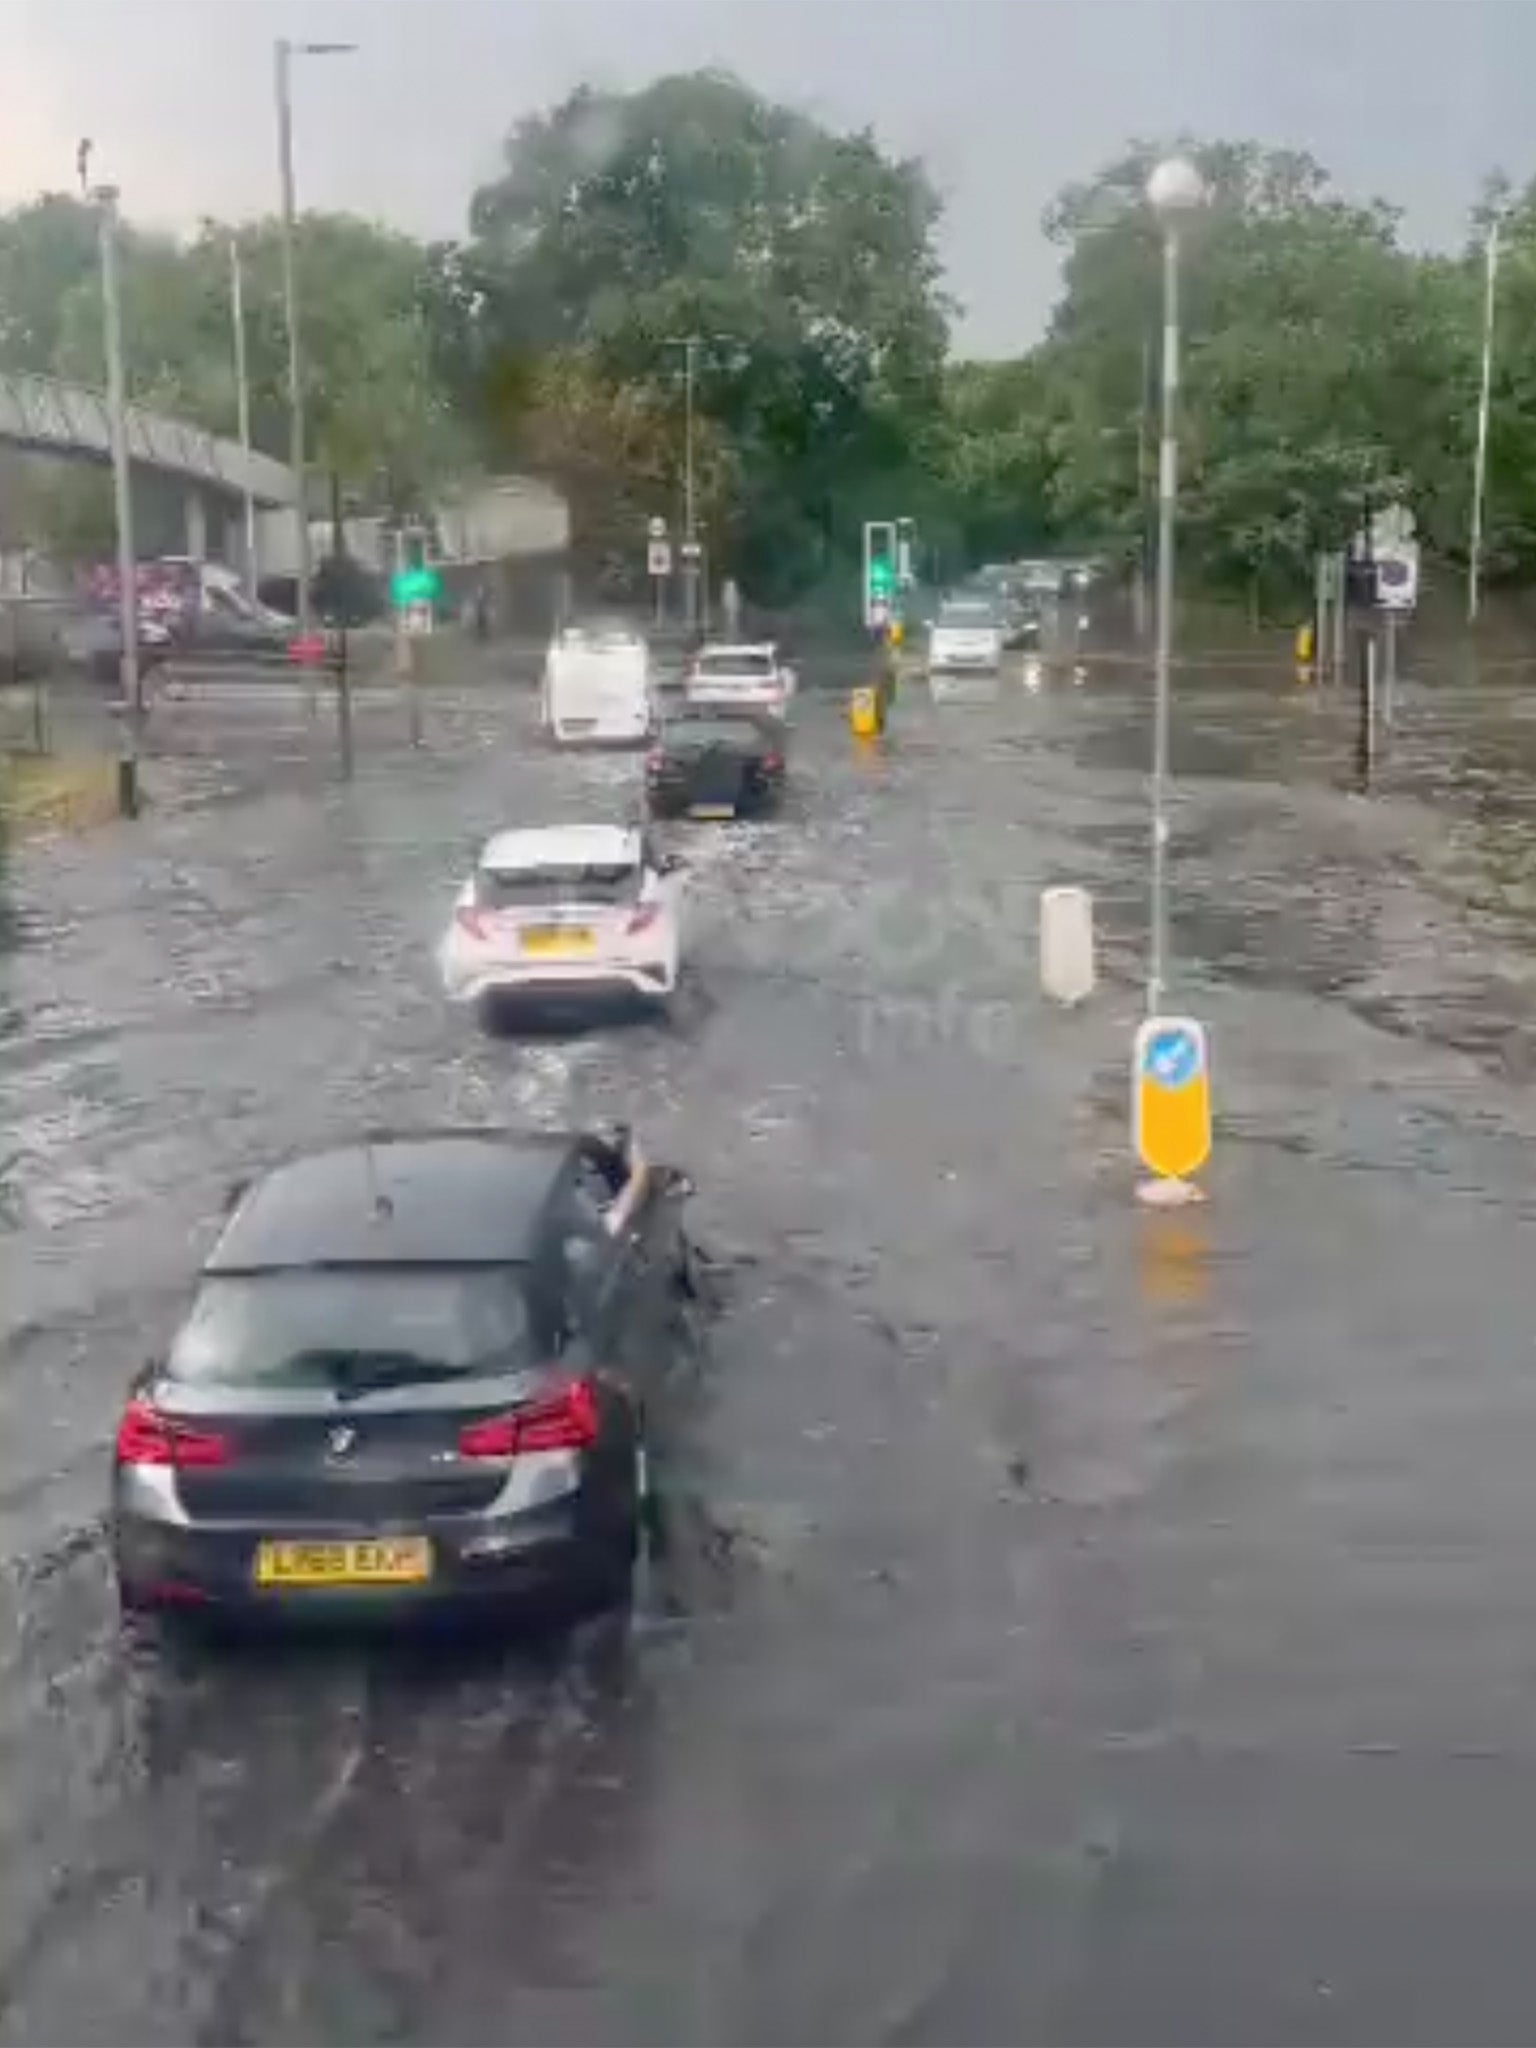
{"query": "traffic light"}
pixel 879 569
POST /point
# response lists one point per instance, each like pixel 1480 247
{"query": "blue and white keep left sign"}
pixel 1171 1096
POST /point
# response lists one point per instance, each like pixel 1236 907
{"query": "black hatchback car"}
pixel 418 1371
pixel 716 762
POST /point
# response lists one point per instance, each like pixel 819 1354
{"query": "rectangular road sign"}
pixel 1171 1097
pixel 658 558
pixel 1397 575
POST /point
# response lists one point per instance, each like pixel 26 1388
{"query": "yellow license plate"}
pixel 563 942
pixel 713 811
pixel 380 1561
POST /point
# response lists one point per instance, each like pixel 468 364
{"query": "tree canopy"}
pixel 1327 366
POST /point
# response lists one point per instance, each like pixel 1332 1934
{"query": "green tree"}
pixel 803 259
pixel 47 250
pixel 1323 366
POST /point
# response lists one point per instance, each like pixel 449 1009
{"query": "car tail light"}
pixel 470 920
pixel 643 918
pixel 655 761
pixel 562 1421
pixel 146 1437
pixel 773 763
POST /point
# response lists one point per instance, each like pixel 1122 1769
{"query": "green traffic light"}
pixel 421 585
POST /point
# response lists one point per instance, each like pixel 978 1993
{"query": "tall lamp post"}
pixel 1480 452
pixel 689 344
pixel 242 404
pixel 284 53
pixel 1174 191
pixel 104 198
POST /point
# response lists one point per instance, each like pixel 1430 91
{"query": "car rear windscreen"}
pixel 532 888
pixel 736 668
pixel 325 1328
pixel 710 732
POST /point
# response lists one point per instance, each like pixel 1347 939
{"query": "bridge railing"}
pixel 42 412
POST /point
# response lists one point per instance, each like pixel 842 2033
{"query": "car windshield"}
pixel 372 1325
pixel 518 888
pixel 725 667
pixel 968 612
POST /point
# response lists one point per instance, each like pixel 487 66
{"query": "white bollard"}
pixel 1067 972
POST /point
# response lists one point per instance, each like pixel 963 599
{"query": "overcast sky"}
pixel 1005 99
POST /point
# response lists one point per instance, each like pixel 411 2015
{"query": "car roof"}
pixel 739 647
pixel 562 846
pixel 459 1198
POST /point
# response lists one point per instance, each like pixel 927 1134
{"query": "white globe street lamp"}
pixel 1175 190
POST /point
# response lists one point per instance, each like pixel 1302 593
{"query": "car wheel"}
pixel 613 1584
pixel 491 1016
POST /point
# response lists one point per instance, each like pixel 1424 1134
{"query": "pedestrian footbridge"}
pixel 68 419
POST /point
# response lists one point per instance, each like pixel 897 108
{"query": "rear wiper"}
pixel 357 1373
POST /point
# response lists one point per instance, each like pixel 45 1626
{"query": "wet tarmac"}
pixel 1076 1624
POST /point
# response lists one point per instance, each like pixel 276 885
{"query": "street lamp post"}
pixel 689 344
pixel 284 53
pixel 106 197
pixel 1174 190
pixel 1480 452
pixel 242 405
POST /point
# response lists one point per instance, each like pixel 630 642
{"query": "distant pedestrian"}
pixel 480 612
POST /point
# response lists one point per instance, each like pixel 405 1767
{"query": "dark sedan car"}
pixel 716 763
pixel 419 1372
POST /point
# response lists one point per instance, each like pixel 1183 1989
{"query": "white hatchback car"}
pixel 563 912
pixel 753 678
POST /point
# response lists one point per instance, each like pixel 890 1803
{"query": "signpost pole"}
pixel 344 701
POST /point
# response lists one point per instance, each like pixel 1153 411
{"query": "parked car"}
pixel 91 645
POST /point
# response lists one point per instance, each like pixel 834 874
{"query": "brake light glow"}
pixel 563 1421
pixel 773 763
pixel 655 761
pixel 468 919
pixel 146 1437
pixel 643 918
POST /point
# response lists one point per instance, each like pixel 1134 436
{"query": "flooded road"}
pixel 1077 1624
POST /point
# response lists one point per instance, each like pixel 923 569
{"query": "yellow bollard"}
pixel 897 634
pixel 866 714
pixel 1306 648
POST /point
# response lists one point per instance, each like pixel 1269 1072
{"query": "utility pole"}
pixel 690 502
pixel 283 67
pixel 1143 524
pixel 106 197
pixel 1480 454
pixel 243 404
pixel 1175 190
pixel 283 54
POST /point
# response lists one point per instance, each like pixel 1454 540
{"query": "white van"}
pixel 597 684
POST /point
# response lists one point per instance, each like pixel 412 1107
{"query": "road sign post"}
pixel 1171 1108
pixel 658 565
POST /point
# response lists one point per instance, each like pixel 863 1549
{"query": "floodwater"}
pixel 1078 1624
